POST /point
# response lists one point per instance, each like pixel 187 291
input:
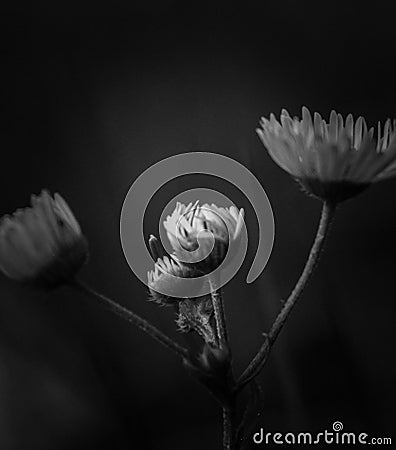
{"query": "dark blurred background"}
pixel 94 94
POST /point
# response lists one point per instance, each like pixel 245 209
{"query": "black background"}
pixel 93 94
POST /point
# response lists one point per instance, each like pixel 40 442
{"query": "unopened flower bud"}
pixel 215 360
pixel 155 248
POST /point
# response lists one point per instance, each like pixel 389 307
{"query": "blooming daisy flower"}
pixel 333 161
pixel 42 243
pixel 201 235
pixel 168 277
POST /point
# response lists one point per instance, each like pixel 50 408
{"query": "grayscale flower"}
pixel 333 161
pixel 201 235
pixel 43 243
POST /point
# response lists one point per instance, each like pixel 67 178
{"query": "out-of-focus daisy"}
pixel 333 161
pixel 42 243
pixel 201 235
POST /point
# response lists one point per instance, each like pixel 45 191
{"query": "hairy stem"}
pixel 131 317
pixel 260 358
pixel 218 308
pixel 228 429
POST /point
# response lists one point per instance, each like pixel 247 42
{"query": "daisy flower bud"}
pixel 42 244
pixel 332 161
pixel 215 360
pixel 156 249
pixel 201 235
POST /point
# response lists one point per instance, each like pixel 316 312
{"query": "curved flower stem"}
pixel 259 360
pixel 218 308
pixel 131 317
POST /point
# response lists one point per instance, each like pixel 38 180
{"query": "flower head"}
pixel 333 161
pixel 42 243
pixel 201 235
pixel 167 276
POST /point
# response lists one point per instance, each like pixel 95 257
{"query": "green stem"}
pixel 131 317
pixel 260 358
